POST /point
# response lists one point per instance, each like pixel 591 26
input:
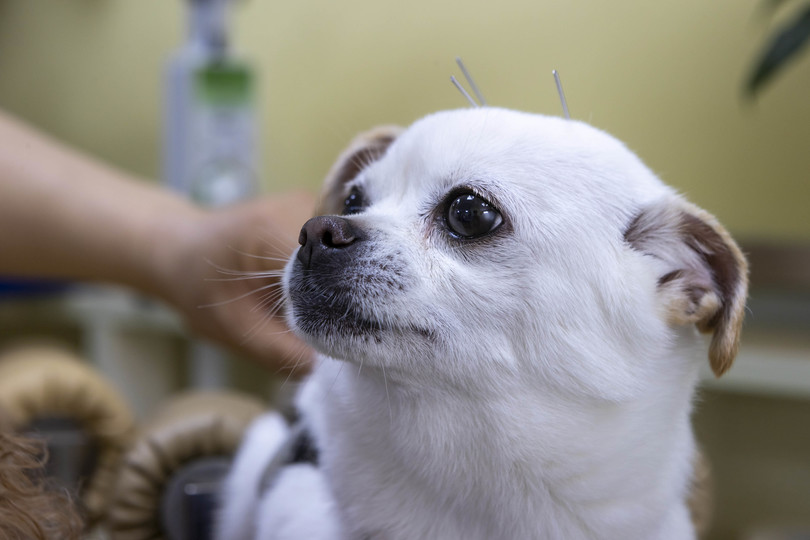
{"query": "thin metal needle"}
pixel 470 80
pixel 562 95
pixel 464 92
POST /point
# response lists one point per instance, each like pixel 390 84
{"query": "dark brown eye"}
pixel 354 203
pixel 470 216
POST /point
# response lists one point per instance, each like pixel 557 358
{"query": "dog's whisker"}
pixel 337 376
pixel 257 328
pixel 221 269
pixel 268 306
pixel 260 257
pixel 259 325
pixel 237 298
pixel 287 378
pixel 273 312
pixel 241 273
pixel 272 298
pixel 280 332
pixel 387 395
pixel 277 246
pixel 298 357
pixel 248 276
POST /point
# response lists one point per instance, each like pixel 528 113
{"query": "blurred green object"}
pixel 224 83
pixel 784 46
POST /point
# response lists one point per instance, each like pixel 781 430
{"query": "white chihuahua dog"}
pixel 506 307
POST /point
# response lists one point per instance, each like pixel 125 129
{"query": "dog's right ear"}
pixel 703 277
pixel 365 149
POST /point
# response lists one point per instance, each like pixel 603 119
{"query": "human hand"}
pixel 222 273
pixel 65 215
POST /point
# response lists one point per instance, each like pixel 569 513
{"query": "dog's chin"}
pixel 345 334
pixel 327 324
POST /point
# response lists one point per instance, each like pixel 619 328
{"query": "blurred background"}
pixel 666 77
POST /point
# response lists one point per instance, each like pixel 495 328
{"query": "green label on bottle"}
pixel 224 83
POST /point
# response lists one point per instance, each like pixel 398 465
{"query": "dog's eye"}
pixel 354 203
pixel 469 216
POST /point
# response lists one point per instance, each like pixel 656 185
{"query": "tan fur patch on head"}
pixel 365 149
pixel 706 282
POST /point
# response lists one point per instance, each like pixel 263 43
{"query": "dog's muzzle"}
pixel 325 238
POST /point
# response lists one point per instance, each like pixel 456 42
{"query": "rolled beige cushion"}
pixel 39 382
pixel 189 427
pixel 203 425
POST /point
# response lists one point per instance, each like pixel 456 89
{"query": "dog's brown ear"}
pixel 704 276
pixel 365 149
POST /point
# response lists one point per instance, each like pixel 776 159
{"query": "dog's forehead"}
pixel 530 151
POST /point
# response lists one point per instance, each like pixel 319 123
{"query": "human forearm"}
pixel 65 215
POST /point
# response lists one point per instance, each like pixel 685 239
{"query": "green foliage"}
pixel 784 45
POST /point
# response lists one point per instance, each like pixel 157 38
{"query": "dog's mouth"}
pixel 332 314
pixel 337 321
pixel 318 319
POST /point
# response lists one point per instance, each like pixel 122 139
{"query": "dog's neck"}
pixel 513 453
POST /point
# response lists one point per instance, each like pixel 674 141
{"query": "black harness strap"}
pixel 298 448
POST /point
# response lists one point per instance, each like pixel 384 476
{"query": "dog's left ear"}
pixel 704 276
pixel 365 149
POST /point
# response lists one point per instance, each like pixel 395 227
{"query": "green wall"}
pixel 663 76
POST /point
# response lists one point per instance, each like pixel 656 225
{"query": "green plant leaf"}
pixel 769 6
pixel 784 46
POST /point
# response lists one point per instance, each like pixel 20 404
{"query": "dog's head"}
pixel 489 242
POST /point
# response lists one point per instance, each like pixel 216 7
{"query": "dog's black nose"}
pixel 322 236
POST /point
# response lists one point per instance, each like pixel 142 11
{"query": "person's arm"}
pixel 65 215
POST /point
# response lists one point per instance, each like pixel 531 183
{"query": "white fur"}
pixel 237 519
pixel 526 387
pixel 298 507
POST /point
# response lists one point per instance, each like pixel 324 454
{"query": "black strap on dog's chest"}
pixel 303 447
pixel 298 448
